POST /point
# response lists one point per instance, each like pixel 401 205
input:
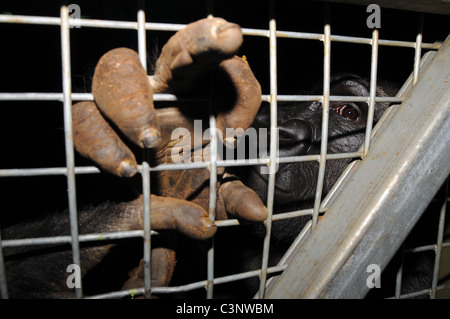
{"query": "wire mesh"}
pixel 272 34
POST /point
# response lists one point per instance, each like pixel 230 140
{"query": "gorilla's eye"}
pixel 349 111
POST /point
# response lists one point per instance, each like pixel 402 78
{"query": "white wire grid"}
pixel 141 26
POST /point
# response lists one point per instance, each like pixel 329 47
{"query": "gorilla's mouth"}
pixel 264 178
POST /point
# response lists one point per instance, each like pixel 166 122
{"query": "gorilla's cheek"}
pixel 294 182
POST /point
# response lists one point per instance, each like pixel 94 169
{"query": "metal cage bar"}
pixel 110 24
pixel 346 175
pixel 142 51
pixel 3 283
pixel 68 135
pixel 325 115
pixel 213 157
pixel 405 166
pixel 373 90
pixel 439 242
pixel 273 147
pixel 212 195
pixel 418 49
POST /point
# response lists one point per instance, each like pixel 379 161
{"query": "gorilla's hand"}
pixel 199 58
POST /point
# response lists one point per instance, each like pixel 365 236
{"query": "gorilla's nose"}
pixel 295 137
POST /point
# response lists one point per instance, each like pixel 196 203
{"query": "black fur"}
pixel 35 271
pixel 238 249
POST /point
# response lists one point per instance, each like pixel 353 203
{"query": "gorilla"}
pixel 180 203
pixel 300 134
pixel 239 249
pixel 299 125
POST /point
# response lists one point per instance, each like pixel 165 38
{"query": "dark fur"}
pixel 33 272
pixel 39 271
pixel 239 249
pixel 296 182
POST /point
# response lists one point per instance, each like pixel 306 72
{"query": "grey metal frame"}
pixel 406 165
pixel 278 290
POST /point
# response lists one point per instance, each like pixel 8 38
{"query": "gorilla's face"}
pixel 300 126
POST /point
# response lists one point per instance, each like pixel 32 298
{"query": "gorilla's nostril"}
pixel 295 137
pixel 295 131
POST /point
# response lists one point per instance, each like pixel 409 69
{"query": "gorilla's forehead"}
pixel 350 86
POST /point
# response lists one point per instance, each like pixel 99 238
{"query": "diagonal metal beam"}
pixel 389 191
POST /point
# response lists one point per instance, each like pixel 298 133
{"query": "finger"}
pixel 122 92
pixel 246 102
pixel 96 140
pixel 188 218
pixel 194 50
pixel 162 264
pixel 241 201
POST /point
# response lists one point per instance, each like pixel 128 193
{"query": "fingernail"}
pixel 127 169
pixel 230 36
pixel 150 138
pixel 208 223
pixel 224 27
pixel 210 228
